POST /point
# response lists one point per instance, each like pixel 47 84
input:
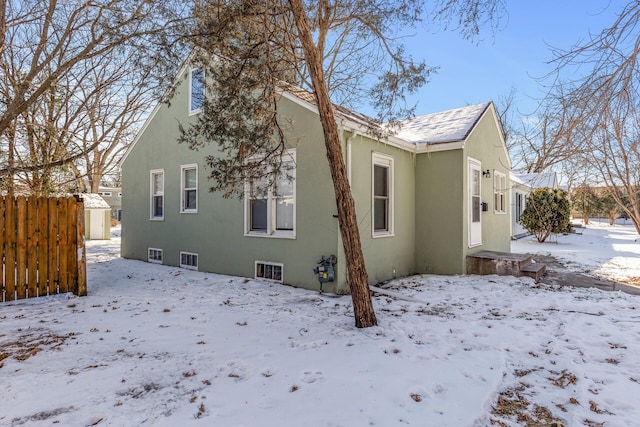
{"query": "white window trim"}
pixel 155 261
pixel 500 177
pixel 191 70
pixel 187 266
pixel 379 159
pixel 183 168
pixel 272 232
pixel 275 264
pixel 478 166
pixel 151 195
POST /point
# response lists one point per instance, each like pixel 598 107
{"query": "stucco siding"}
pixel 427 231
pixel 392 255
pixel 439 212
pixel 216 231
pixel 485 144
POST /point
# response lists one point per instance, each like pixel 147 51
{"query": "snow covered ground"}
pixel 601 250
pixel 162 346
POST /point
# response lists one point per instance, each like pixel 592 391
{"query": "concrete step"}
pixel 504 264
pixel 535 271
pixel 500 263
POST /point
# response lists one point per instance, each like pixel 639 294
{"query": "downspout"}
pixel 340 267
pixel 348 149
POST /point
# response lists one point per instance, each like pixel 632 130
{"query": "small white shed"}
pixel 97 217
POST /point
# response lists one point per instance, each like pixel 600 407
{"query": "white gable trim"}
pixel 494 114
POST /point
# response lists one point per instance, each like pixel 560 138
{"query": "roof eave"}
pixel 424 147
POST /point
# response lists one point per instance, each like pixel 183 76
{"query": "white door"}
pixel 96 230
pixel 475 203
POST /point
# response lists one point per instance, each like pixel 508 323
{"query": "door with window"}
pixel 475 203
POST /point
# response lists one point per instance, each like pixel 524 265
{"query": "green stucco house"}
pixel 425 197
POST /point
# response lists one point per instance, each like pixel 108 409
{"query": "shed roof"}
pixel 94 201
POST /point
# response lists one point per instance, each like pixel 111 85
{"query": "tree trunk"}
pixel 356 271
pixel 11 164
pixel 3 24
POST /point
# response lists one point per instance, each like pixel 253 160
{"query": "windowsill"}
pixel 156 218
pixel 269 280
pixel 475 245
pixel 380 234
pixel 190 211
pixel 276 235
pixel 194 112
pixel 500 213
pixel 153 261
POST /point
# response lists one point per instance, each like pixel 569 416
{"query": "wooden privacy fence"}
pixel 42 247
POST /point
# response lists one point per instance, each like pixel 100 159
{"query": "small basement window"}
pixel 271 271
pixel 189 260
pixel 155 255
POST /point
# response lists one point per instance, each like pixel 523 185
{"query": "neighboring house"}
pixel 521 185
pixel 113 196
pixel 425 198
pixel 539 180
pixel 519 193
pixel 97 217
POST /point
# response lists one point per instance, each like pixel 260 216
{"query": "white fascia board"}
pixel 391 140
pixel 422 147
pixel 297 100
pixel 350 125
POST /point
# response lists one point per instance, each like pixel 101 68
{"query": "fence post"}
pixel 72 259
pixel 82 252
pixel 52 255
pixel 63 248
pixel 32 247
pixel 43 239
pixel 21 248
pixel 10 249
pixel 3 202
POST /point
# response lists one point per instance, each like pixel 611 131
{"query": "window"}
pixel 157 194
pixel 189 186
pixel 269 271
pixel 270 209
pixel 499 188
pixel 155 255
pixel 519 206
pixel 382 195
pixel 189 260
pixel 196 90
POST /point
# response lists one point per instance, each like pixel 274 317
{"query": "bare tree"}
pixel 616 157
pixel 605 102
pixel 338 50
pixel 114 104
pixel 45 42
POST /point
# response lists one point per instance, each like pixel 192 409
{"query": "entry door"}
pixel 475 205
pixel 96 230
